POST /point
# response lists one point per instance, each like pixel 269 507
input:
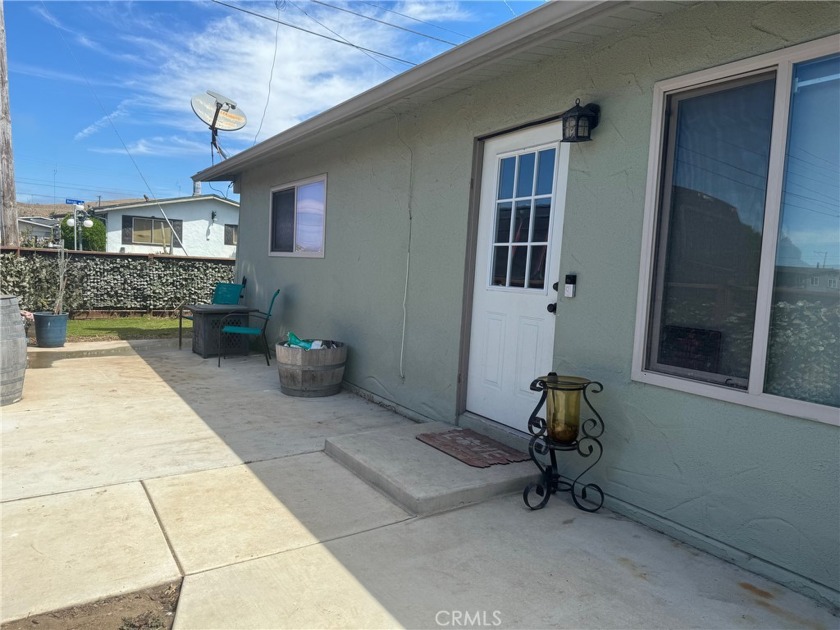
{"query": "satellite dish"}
pixel 219 113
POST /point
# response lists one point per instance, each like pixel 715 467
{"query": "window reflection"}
pixel 803 354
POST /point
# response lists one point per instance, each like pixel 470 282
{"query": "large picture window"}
pixel 743 229
pixel 298 218
pixel 151 231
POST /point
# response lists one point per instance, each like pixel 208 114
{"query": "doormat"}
pixel 472 448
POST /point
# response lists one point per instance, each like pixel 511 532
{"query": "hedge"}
pixel 99 281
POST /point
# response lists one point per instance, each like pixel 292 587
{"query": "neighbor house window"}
pixel 151 231
pixel 231 234
pixel 298 218
pixel 744 202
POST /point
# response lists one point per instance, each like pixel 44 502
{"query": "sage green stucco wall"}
pixel 753 486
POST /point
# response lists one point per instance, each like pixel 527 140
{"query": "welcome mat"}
pixel 472 448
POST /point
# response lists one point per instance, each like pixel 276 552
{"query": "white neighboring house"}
pixel 40 229
pixel 201 225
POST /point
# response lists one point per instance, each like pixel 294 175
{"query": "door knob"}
pixel 552 308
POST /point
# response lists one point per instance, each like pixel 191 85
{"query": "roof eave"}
pixel 163 202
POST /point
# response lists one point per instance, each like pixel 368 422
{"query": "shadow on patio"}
pixel 130 465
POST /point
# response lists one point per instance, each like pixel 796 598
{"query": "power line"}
pixel 321 24
pixel 409 17
pixel 114 127
pixel 84 186
pixel 271 72
pixel 392 25
pixel 298 28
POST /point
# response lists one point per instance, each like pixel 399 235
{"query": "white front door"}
pixel 517 261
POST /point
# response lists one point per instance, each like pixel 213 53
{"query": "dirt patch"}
pixel 151 609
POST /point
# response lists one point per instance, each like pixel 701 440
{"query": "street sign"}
pixel 75 202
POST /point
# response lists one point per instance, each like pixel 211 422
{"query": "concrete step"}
pixel 419 477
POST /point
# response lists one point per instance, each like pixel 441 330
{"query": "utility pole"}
pixel 8 226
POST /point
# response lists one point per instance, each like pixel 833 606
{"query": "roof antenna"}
pixel 220 114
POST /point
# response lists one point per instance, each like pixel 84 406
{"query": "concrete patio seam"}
pixel 142 479
pixel 306 546
pixel 163 529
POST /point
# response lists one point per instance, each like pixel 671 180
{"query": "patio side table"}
pixel 206 322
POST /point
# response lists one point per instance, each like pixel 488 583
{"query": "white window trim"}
pixel 297 184
pixel 782 62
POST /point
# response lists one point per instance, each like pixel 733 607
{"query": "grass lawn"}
pixel 142 327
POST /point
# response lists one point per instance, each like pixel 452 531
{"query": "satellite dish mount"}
pixel 220 114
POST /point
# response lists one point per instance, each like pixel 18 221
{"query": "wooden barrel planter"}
pixel 12 351
pixel 311 373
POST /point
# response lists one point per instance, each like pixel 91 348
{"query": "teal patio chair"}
pixel 248 330
pixel 223 293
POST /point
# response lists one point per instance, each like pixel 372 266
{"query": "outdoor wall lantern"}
pixel 79 214
pixel 578 122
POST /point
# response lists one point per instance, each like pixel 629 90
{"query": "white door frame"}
pixel 472 245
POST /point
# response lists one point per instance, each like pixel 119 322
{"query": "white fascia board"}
pixel 163 202
pixel 506 40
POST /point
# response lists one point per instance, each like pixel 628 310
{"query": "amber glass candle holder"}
pixel 563 406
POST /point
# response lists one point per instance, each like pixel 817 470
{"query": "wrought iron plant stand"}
pixel 563 430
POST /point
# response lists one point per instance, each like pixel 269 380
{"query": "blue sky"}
pixel 92 82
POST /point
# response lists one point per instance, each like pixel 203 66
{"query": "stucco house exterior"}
pixel 426 222
pixel 40 231
pixel 201 225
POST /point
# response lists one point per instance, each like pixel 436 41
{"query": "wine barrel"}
pixel 311 373
pixel 12 350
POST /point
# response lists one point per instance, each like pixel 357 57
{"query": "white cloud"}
pixel 48 17
pixel 232 54
pixel 158 146
pixel 435 11
pixel 103 122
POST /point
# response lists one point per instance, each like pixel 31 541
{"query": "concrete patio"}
pixel 128 465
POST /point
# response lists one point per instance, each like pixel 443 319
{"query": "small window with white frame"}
pixel 298 218
pixel 742 202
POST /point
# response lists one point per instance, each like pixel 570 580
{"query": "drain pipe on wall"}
pixel 408 249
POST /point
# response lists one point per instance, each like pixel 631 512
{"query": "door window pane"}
pixel 710 231
pixel 545 172
pixel 525 179
pixel 500 261
pixel 542 217
pixel 536 276
pixel 803 354
pixel 506 173
pixel 518 267
pixel 503 212
pixel 523 222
